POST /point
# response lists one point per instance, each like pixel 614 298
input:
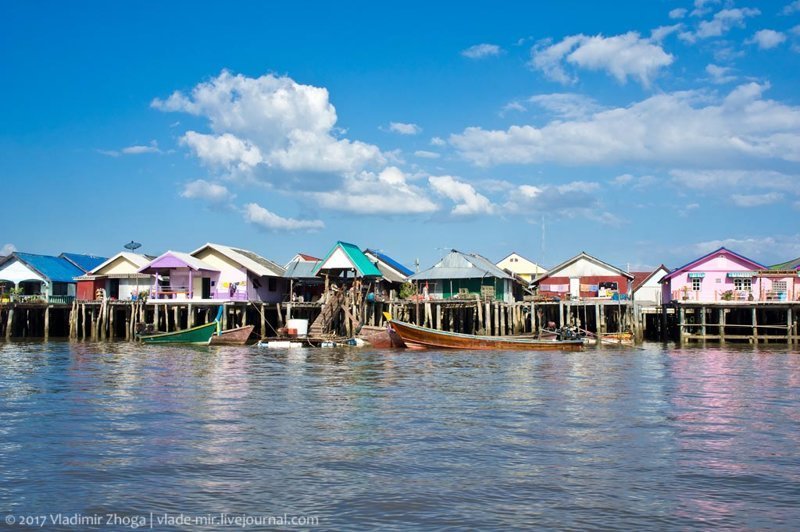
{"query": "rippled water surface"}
pixel 635 438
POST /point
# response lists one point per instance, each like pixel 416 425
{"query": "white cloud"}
pixel 468 201
pixel 794 7
pixel 756 200
pixel 269 122
pixel 677 13
pixel 368 193
pixel 259 216
pixel 719 74
pixel 782 247
pixel 766 39
pixel 681 128
pixel 226 151
pixel 438 141
pixel 512 106
pixel 662 32
pixel 479 51
pixel 722 22
pixel 566 105
pixel 715 180
pixel 424 154
pixel 404 129
pixel 211 192
pixel 574 199
pixel 702 7
pixel 7 249
pixel 133 150
pixel 622 56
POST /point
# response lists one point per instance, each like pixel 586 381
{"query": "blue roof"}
pixel 391 262
pixel 56 269
pixel 86 263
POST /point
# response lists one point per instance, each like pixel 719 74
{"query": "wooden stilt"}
pixel 10 322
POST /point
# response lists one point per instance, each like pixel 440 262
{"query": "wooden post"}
pixel 111 323
pixel 263 321
pixel 10 321
pixel 487 319
pixel 681 322
pixel 439 316
pixel 176 311
pixel 496 319
pixel 189 316
pixel 478 311
pixel 789 326
pixel 46 322
pixel 703 322
pixel 278 308
pixel 503 309
pixel 561 314
pixel 721 325
pixel 156 324
pixel 755 326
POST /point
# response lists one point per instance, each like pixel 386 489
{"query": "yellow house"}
pixel 519 265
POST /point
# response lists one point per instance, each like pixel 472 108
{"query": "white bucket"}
pixel 300 325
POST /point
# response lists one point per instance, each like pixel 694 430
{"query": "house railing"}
pixel 171 292
pixel 36 298
pixel 683 295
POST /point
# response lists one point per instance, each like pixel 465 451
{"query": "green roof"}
pixel 788 265
pixel 359 262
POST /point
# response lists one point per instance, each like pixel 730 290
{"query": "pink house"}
pixel 178 275
pixel 724 275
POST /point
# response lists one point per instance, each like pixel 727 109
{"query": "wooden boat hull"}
pixel 195 335
pixel 416 336
pixel 381 337
pixel 238 336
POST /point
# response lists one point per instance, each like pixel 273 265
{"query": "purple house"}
pixel 721 275
pixel 181 276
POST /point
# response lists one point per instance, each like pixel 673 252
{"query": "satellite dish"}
pixel 133 246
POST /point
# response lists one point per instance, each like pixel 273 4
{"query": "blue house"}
pixel 39 277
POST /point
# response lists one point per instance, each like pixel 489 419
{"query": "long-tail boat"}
pixel 415 336
pixel 196 335
pixel 380 337
pixel 237 336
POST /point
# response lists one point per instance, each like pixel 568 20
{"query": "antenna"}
pixel 133 246
pixel 416 263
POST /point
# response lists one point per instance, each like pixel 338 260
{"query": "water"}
pixel 648 438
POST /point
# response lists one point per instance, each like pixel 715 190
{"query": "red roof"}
pixel 309 257
pixel 639 279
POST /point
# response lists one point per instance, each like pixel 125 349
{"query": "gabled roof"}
pixel 140 261
pixel 302 257
pixel 301 269
pixel 788 265
pixel 676 271
pixel 458 265
pixel 641 278
pixel 357 260
pixel 55 269
pixel 582 255
pixel 176 259
pixel 84 262
pixel 254 262
pixel 390 268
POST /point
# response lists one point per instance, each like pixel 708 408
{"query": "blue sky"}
pixel 642 133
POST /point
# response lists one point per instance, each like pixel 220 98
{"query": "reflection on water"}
pixel 649 438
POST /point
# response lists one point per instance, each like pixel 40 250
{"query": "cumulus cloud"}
pixel 424 154
pixel 756 200
pixel 622 56
pixel 468 201
pixel 719 74
pixel 259 216
pixel 438 141
pixel 479 51
pixel 715 180
pixel 794 7
pixel 211 192
pixel 404 129
pixel 387 192
pixel 573 199
pixel 722 22
pixel 7 249
pixel 677 13
pixel 779 247
pixel 271 123
pixel 766 39
pixel 681 128
pixel 566 105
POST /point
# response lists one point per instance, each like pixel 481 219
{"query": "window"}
pixel 740 283
pixel 779 286
pixel 696 283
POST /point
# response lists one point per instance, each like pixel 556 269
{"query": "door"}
pixel 113 288
pixel 575 287
pixel 206 288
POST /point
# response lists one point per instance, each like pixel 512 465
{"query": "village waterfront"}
pixel 658 437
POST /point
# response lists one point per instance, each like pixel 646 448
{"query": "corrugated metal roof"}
pixel 300 269
pixel 722 249
pixel 192 262
pixel 363 266
pixel 391 262
pixel 788 265
pixel 457 265
pixel 57 269
pixel 252 261
pixel 140 261
pixel 86 263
